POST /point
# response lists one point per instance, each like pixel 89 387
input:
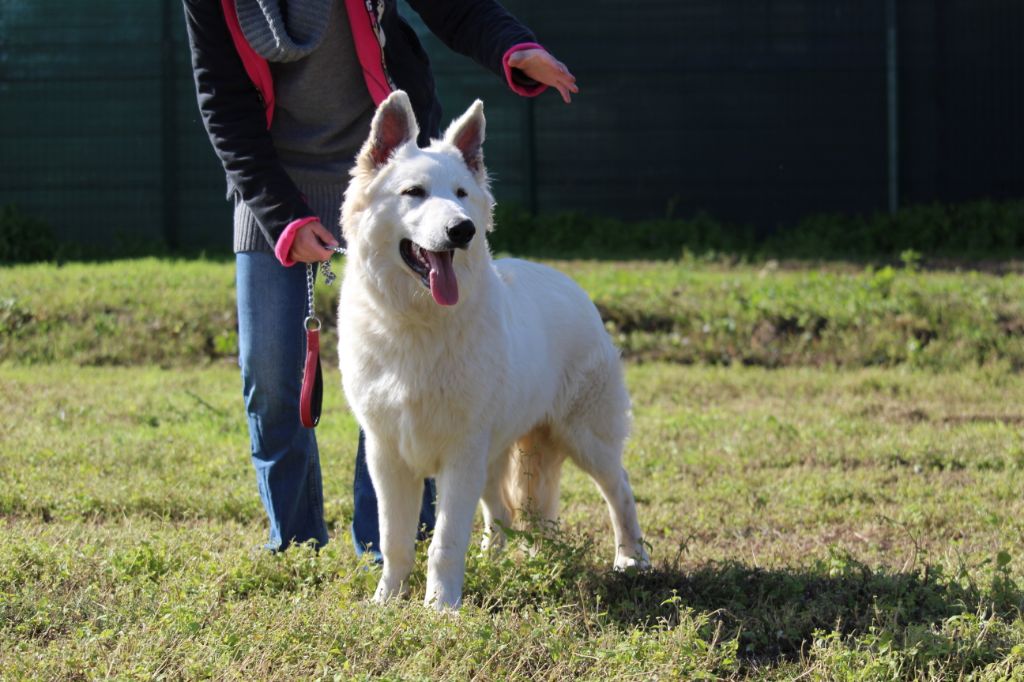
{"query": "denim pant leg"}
pixel 365 526
pixel 272 347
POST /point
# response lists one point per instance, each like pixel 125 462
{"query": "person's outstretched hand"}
pixel 309 241
pixel 539 65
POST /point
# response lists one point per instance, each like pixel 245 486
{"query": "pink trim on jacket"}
pixel 255 65
pixel 524 90
pixel 284 242
pixel 368 49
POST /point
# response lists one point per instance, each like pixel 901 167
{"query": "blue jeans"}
pixel 272 348
pixel 365 530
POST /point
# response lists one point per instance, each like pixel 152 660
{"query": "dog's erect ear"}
pixel 467 134
pixel 393 125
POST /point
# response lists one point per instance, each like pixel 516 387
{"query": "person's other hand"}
pixel 308 244
pixel 539 65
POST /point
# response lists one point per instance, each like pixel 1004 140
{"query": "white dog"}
pixel 485 375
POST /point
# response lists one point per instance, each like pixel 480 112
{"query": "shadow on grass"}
pixel 773 613
pixel 776 612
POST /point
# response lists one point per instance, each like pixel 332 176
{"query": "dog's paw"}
pixel 389 591
pixel 635 562
pixel 443 605
pixel 443 597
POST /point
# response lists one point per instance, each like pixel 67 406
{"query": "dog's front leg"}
pixel 459 487
pixel 399 493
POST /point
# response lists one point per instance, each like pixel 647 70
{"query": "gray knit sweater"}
pixel 322 115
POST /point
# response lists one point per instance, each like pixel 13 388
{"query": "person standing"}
pixel 287 90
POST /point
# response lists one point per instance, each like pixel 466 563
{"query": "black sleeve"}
pixel 236 122
pixel 480 29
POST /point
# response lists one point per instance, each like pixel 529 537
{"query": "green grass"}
pixel 828 462
pixel 855 524
pixel 182 312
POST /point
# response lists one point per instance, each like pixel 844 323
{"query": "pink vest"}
pixel 365 33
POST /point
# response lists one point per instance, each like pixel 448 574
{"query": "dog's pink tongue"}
pixel 443 285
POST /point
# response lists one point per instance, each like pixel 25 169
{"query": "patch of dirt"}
pixel 1007 419
pixel 626 321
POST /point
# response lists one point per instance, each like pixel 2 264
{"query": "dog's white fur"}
pixel 488 395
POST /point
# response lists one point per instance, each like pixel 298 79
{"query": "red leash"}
pixel 312 396
pixel 311 399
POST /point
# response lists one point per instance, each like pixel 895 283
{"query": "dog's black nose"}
pixel 461 233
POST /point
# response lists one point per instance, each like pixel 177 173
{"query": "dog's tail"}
pixel 533 477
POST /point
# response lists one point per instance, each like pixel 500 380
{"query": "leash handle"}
pixel 311 397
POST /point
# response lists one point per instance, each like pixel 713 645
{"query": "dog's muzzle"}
pixel 434 269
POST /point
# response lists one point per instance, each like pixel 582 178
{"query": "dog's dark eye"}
pixel 461 193
pixel 414 191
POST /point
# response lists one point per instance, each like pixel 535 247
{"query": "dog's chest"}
pixel 425 391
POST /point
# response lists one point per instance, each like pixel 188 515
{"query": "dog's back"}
pixel 554 329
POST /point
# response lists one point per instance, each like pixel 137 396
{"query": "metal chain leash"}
pixel 312 322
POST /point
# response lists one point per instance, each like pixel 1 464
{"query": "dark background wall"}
pixel 756 111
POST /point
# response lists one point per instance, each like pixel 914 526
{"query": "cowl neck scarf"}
pixel 283 30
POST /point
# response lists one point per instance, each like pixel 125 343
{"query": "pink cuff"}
pixel 518 88
pixel 284 242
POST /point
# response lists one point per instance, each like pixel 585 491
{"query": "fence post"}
pixel 892 103
pixel 168 128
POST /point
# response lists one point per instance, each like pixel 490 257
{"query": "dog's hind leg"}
pixel 534 477
pixel 399 494
pixel 601 458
